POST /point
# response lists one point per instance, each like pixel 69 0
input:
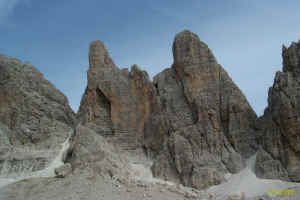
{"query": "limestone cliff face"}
pixel 216 101
pixel 34 117
pixel 120 105
pixel 31 107
pixel 208 118
pixel 280 124
pixel 192 117
pixel 192 120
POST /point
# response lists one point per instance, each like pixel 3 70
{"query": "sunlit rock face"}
pixel 192 118
pixel 216 101
pixel 121 105
pixel 280 124
pixel 208 118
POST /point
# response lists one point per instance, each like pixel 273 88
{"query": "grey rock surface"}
pixel 32 108
pixel 99 171
pixel 280 125
pixel 192 121
pixel 268 168
pixel 209 120
pixel 5 135
pixel 216 101
pixel 35 119
pixel 5 144
pixel 90 150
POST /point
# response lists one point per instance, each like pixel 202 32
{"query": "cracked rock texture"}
pixel 192 122
pixel 34 117
pixel 268 168
pixel 192 118
pixel 209 121
pixel 280 125
pixel 91 151
pixel 121 105
pixel 30 106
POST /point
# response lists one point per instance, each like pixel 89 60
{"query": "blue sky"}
pixel 246 37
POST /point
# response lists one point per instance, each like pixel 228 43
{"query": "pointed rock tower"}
pixel 193 119
pixel 120 105
pixel 209 119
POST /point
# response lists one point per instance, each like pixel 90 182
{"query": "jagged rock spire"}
pixel 209 118
pixel 290 57
pixel 189 50
pixel 121 104
pixel 280 123
pixel 98 55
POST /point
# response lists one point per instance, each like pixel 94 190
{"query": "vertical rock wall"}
pixel 280 124
pixel 208 118
pixel 192 118
pixel 126 100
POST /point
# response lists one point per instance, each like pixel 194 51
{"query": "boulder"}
pixel 90 151
pixel 63 171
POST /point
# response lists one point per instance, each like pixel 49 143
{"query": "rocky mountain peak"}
pixel 291 57
pixel 118 104
pixel 98 55
pixel 207 115
pixel 189 50
pixel 280 123
pixel 192 125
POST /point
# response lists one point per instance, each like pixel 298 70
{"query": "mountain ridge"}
pixel 192 121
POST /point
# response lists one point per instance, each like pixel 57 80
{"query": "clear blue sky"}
pixel 245 35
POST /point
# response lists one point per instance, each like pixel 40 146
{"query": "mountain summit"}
pixel 133 138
